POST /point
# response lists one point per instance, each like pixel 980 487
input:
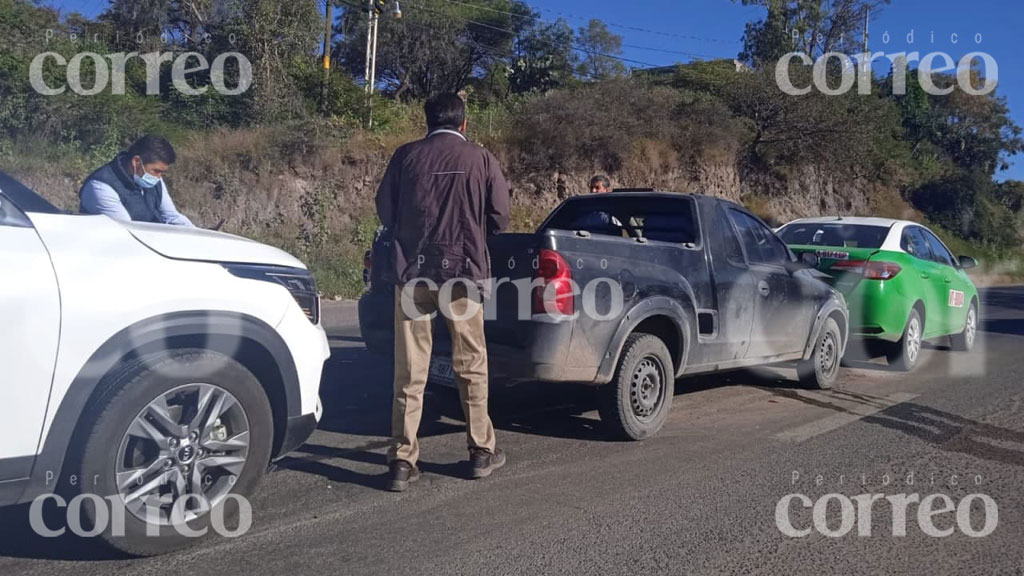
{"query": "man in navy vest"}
pixel 131 187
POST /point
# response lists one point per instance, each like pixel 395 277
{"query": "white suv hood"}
pixel 206 245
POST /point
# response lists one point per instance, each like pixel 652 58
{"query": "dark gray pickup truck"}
pixel 630 291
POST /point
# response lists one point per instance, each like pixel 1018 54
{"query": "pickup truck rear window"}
pixel 659 219
pixel 834 234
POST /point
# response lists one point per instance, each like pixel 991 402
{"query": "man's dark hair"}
pixel 602 179
pixel 445 111
pixel 153 148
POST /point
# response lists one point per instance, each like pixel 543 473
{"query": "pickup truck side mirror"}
pixel 809 260
pixel 966 262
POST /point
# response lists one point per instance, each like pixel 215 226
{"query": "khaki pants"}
pixel 413 343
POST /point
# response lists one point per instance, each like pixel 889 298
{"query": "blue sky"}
pixel 684 29
pixel 716 26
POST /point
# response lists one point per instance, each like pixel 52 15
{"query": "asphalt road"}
pixel 700 497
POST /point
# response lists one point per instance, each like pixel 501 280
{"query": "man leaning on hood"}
pixel 131 186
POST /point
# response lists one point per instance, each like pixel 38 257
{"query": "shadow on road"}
pixel 953 433
pixel 1007 297
pixel 944 430
pixel 19 540
pixel 356 395
pixel 870 354
pixel 1011 327
pixel 357 390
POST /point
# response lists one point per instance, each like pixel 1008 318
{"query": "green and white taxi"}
pixel 901 283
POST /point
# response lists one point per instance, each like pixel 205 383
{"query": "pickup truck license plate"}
pixel 441 372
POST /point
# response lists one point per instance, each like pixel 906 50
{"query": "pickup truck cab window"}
pixel 761 245
pixel 727 234
pixel 629 216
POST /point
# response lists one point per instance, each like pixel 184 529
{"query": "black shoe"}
pixel 402 474
pixel 482 462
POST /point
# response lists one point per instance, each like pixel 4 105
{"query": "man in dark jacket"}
pixel 131 187
pixel 440 199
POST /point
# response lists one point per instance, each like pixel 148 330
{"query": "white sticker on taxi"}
pixel 956 299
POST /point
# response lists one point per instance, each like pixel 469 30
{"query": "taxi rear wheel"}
pixel 964 341
pixel 904 354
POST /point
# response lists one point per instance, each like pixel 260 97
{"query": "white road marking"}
pixel 853 407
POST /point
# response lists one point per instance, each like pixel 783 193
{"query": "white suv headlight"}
pixel 300 283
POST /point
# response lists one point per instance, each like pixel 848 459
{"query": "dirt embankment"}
pixel 314 196
pixel 261 181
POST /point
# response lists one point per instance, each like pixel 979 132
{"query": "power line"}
pixel 507 54
pixel 498 51
pixel 632 46
pixel 577 17
pixel 512 32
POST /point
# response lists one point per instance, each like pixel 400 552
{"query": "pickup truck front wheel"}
pixel 635 404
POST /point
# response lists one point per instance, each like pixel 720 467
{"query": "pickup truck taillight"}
pixel 555 296
pixel 871 270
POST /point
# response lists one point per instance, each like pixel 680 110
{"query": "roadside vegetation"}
pixel 291 162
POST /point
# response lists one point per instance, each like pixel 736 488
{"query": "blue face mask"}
pixel 147 180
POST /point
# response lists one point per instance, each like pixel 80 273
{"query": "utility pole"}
pixel 867 53
pixel 373 10
pixel 371 58
pixel 328 37
pixel 371 44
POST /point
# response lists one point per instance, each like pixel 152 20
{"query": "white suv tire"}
pixel 117 446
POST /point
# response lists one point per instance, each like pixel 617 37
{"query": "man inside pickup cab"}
pixel 600 222
pixel 131 186
pixel 600 184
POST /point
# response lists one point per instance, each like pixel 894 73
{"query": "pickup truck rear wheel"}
pixel 822 370
pixel 635 404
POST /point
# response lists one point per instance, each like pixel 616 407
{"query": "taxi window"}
pixel 913 243
pixel 834 234
pixel 939 252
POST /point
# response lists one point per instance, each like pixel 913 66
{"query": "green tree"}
pixel 277 37
pixel 838 132
pixel 599 47
pixel 545 58
pixel 810 26
pixel 436 46
pixel 1011 195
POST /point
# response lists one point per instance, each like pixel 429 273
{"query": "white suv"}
pixel 149 362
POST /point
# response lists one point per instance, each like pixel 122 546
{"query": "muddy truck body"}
pixel 630 291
